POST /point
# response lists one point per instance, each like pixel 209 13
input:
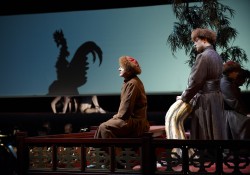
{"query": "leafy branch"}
pixel 204 14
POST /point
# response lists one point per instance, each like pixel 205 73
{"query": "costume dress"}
pixel 238 124
pixel 131 119
pixel 174 120
pixel 207 117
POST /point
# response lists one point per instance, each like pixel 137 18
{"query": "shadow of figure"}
pixel 71 75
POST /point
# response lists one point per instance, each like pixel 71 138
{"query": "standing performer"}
pixel 203 92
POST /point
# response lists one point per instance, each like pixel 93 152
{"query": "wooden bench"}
pixel 157 130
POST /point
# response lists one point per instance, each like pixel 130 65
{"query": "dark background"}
pixel 160 102
pixel 30 6
pixel 29 114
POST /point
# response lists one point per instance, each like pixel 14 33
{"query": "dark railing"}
pixel 75 154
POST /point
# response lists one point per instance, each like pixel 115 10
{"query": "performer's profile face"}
pixel 122 71
pixel 199 44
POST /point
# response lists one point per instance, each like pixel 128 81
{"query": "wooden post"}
pixel 148 160
pixel 22 153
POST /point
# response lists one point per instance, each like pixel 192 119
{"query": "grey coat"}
pixel 238 124
pixel 208 121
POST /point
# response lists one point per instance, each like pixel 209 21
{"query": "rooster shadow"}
pixel 72 74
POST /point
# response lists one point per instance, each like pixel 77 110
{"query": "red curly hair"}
pixel 204 34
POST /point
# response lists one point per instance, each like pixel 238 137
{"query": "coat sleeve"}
pixel 196 80
pixel 127 103
pixel 231 95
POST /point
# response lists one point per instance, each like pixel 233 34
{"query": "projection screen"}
pixel 36 49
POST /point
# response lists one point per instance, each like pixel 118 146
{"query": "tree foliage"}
pixel 204 14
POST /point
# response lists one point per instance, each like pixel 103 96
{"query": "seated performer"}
pixel 238 123
pixel 131 119
pixel 90 104
pixel 62 104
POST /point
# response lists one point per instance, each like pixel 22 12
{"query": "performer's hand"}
pixel 178 98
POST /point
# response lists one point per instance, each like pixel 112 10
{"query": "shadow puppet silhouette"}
pixel 73 74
